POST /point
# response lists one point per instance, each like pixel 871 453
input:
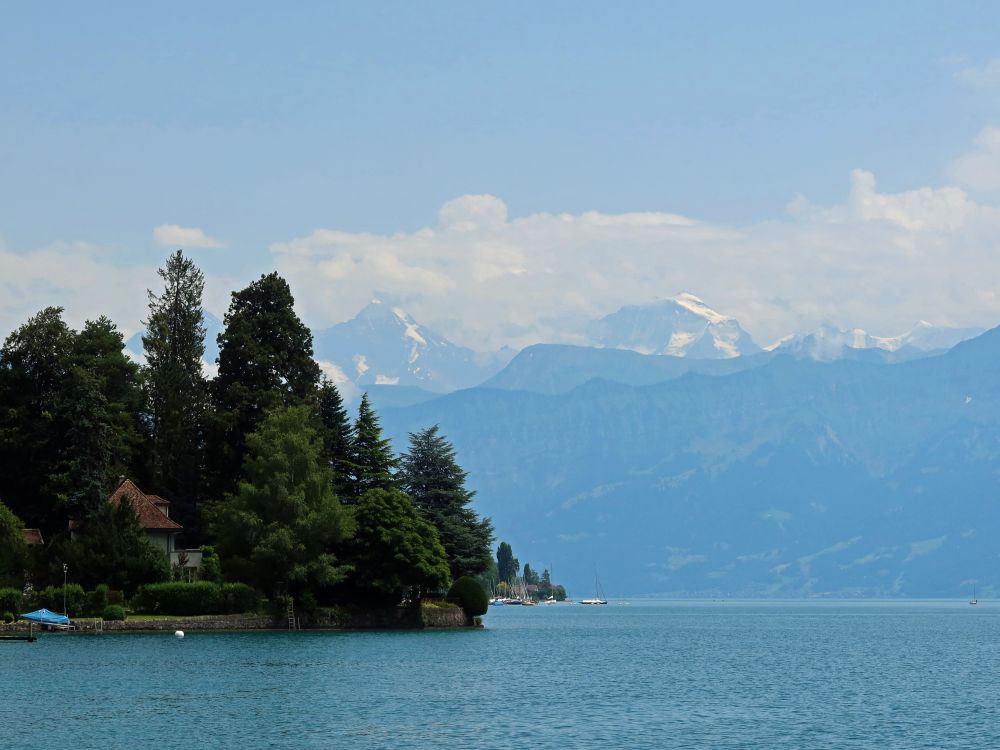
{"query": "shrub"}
pixel 11 600
pixel 98 599
pixel 8 617
pixel 197 598
pixel 470 596
pixel 238 597
pixel 116 597
pixel 211 566
pixel 113 612
pixel 179 598
pixel 52 598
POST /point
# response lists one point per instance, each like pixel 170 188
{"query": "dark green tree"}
pixel 13 550
pixel 265 363
pixel 371 463
pixel 111 547
pixel 338 433
pixel 396 553
pixel 507 564
pixel 176 391
pixel 435 482
pixel 100 404
pixel 279 530
pixel 34 362
pixel 530 576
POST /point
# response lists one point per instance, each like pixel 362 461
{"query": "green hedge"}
pixel 469 595
pixel 77 600
pixel 197 598
pixel 11 600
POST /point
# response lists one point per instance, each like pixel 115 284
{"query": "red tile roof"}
pixel 33 536
pixel 150 517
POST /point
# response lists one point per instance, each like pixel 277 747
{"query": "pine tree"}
pixel 338 433
pixel 176 389
pixel 431 476
pixel 371 464
pixel 265 363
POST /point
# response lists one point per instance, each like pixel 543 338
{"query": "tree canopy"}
pixel 371 463
pixel 280 529
pixel 507 564
pixel 435 482
pixel 265 363
pixel 396 552
pixel 176 390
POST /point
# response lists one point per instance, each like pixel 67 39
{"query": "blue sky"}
pixel 258 125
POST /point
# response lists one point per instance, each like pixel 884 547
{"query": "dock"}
pixel 29 638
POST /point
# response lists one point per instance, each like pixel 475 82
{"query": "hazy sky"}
pixel 508 170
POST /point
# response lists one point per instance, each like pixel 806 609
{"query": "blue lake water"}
pixel 647 675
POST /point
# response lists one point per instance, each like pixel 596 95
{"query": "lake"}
pixel 680 674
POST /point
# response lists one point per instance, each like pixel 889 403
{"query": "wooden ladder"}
pixel 293 623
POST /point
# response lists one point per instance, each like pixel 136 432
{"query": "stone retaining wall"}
pixel 396 618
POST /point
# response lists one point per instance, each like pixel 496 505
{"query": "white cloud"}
pixel 980 76
pixel 979 169
pixel 878 260
pixel 85 279
pixel 184 237
pixel 925 547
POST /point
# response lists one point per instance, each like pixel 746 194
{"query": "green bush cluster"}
pixel 470 596
pixel 98 599
pixel 113 612
pixel 196 598
pixel 8 617
pixel 51 597
pixel 11 600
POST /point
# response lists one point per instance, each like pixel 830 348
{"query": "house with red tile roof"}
pixel 153 513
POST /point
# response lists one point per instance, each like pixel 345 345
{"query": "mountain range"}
pixel 676 456
pixel 383 345
pixel 790 477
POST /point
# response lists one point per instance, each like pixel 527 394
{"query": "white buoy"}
pixel 179 633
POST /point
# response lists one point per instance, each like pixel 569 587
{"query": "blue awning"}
pixel 45 616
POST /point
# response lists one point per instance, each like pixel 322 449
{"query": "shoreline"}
pixel 398 618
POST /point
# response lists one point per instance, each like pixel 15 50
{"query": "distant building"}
pixel 153 513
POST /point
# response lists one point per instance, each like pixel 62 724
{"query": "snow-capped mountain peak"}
pixel 384 345
pixel 828 342
pixel 681 326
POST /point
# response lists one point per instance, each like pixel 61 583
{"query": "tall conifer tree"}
pixel 338 433
pixel 176 387
pixel 265 363
pixel 435 482
pixel 371 463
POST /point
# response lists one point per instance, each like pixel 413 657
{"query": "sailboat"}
pixel 973 600
pixel 598 594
